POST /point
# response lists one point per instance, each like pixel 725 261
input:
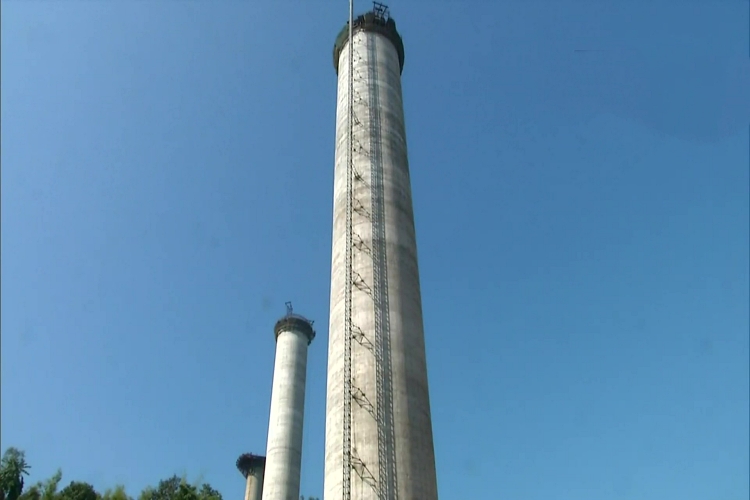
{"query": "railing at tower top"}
pixel 248 463
pixel 291 314
pixel 381 12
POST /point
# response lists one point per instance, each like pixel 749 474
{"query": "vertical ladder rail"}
pixel 386 438
pixel 348 333
pixel 377 264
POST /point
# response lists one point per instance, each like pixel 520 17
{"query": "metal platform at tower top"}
pixel 248 463
pixel 381 12
pixel 296 322
pixel 378 20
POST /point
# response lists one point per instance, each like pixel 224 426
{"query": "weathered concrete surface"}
pixel 254 486
pixel 380 143
pixel 284 448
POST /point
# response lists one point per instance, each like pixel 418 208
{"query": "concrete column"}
pixel 252 468
pixel 284 450
pixel 389 423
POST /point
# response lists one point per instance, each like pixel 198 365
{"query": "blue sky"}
pixel 580 179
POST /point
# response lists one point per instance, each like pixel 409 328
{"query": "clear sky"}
pixel 580 178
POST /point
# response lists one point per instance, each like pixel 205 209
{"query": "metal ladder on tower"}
pixel 387 489
pixel 358 133
pixel 348 330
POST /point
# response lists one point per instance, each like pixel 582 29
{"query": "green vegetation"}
pixel 13 469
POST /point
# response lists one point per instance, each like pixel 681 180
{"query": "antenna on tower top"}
pixel 288 308
pixel 381 11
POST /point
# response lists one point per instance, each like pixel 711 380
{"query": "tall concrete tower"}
pixel 252 466
pixel 284 449
pixel 378 426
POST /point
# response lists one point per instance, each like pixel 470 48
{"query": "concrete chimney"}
pixel 252 467
pixel 378 442
pixel 284 449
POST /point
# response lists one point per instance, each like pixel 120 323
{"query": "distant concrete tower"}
pixel 284 449
pixel 378 442
pixel 252 466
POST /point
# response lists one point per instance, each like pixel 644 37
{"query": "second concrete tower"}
pixel 379 441
pixel 283 461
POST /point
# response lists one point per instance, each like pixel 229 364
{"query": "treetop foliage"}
pixel 13 469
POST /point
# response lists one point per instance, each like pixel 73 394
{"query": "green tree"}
pixel 13 467
pixel 176 488
pixel 44 490
pixel 77 490
pixel 166 490
pixel 208 493
pixel 33 493
pixel 49 487
pixel 146 494
pixel 116 493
